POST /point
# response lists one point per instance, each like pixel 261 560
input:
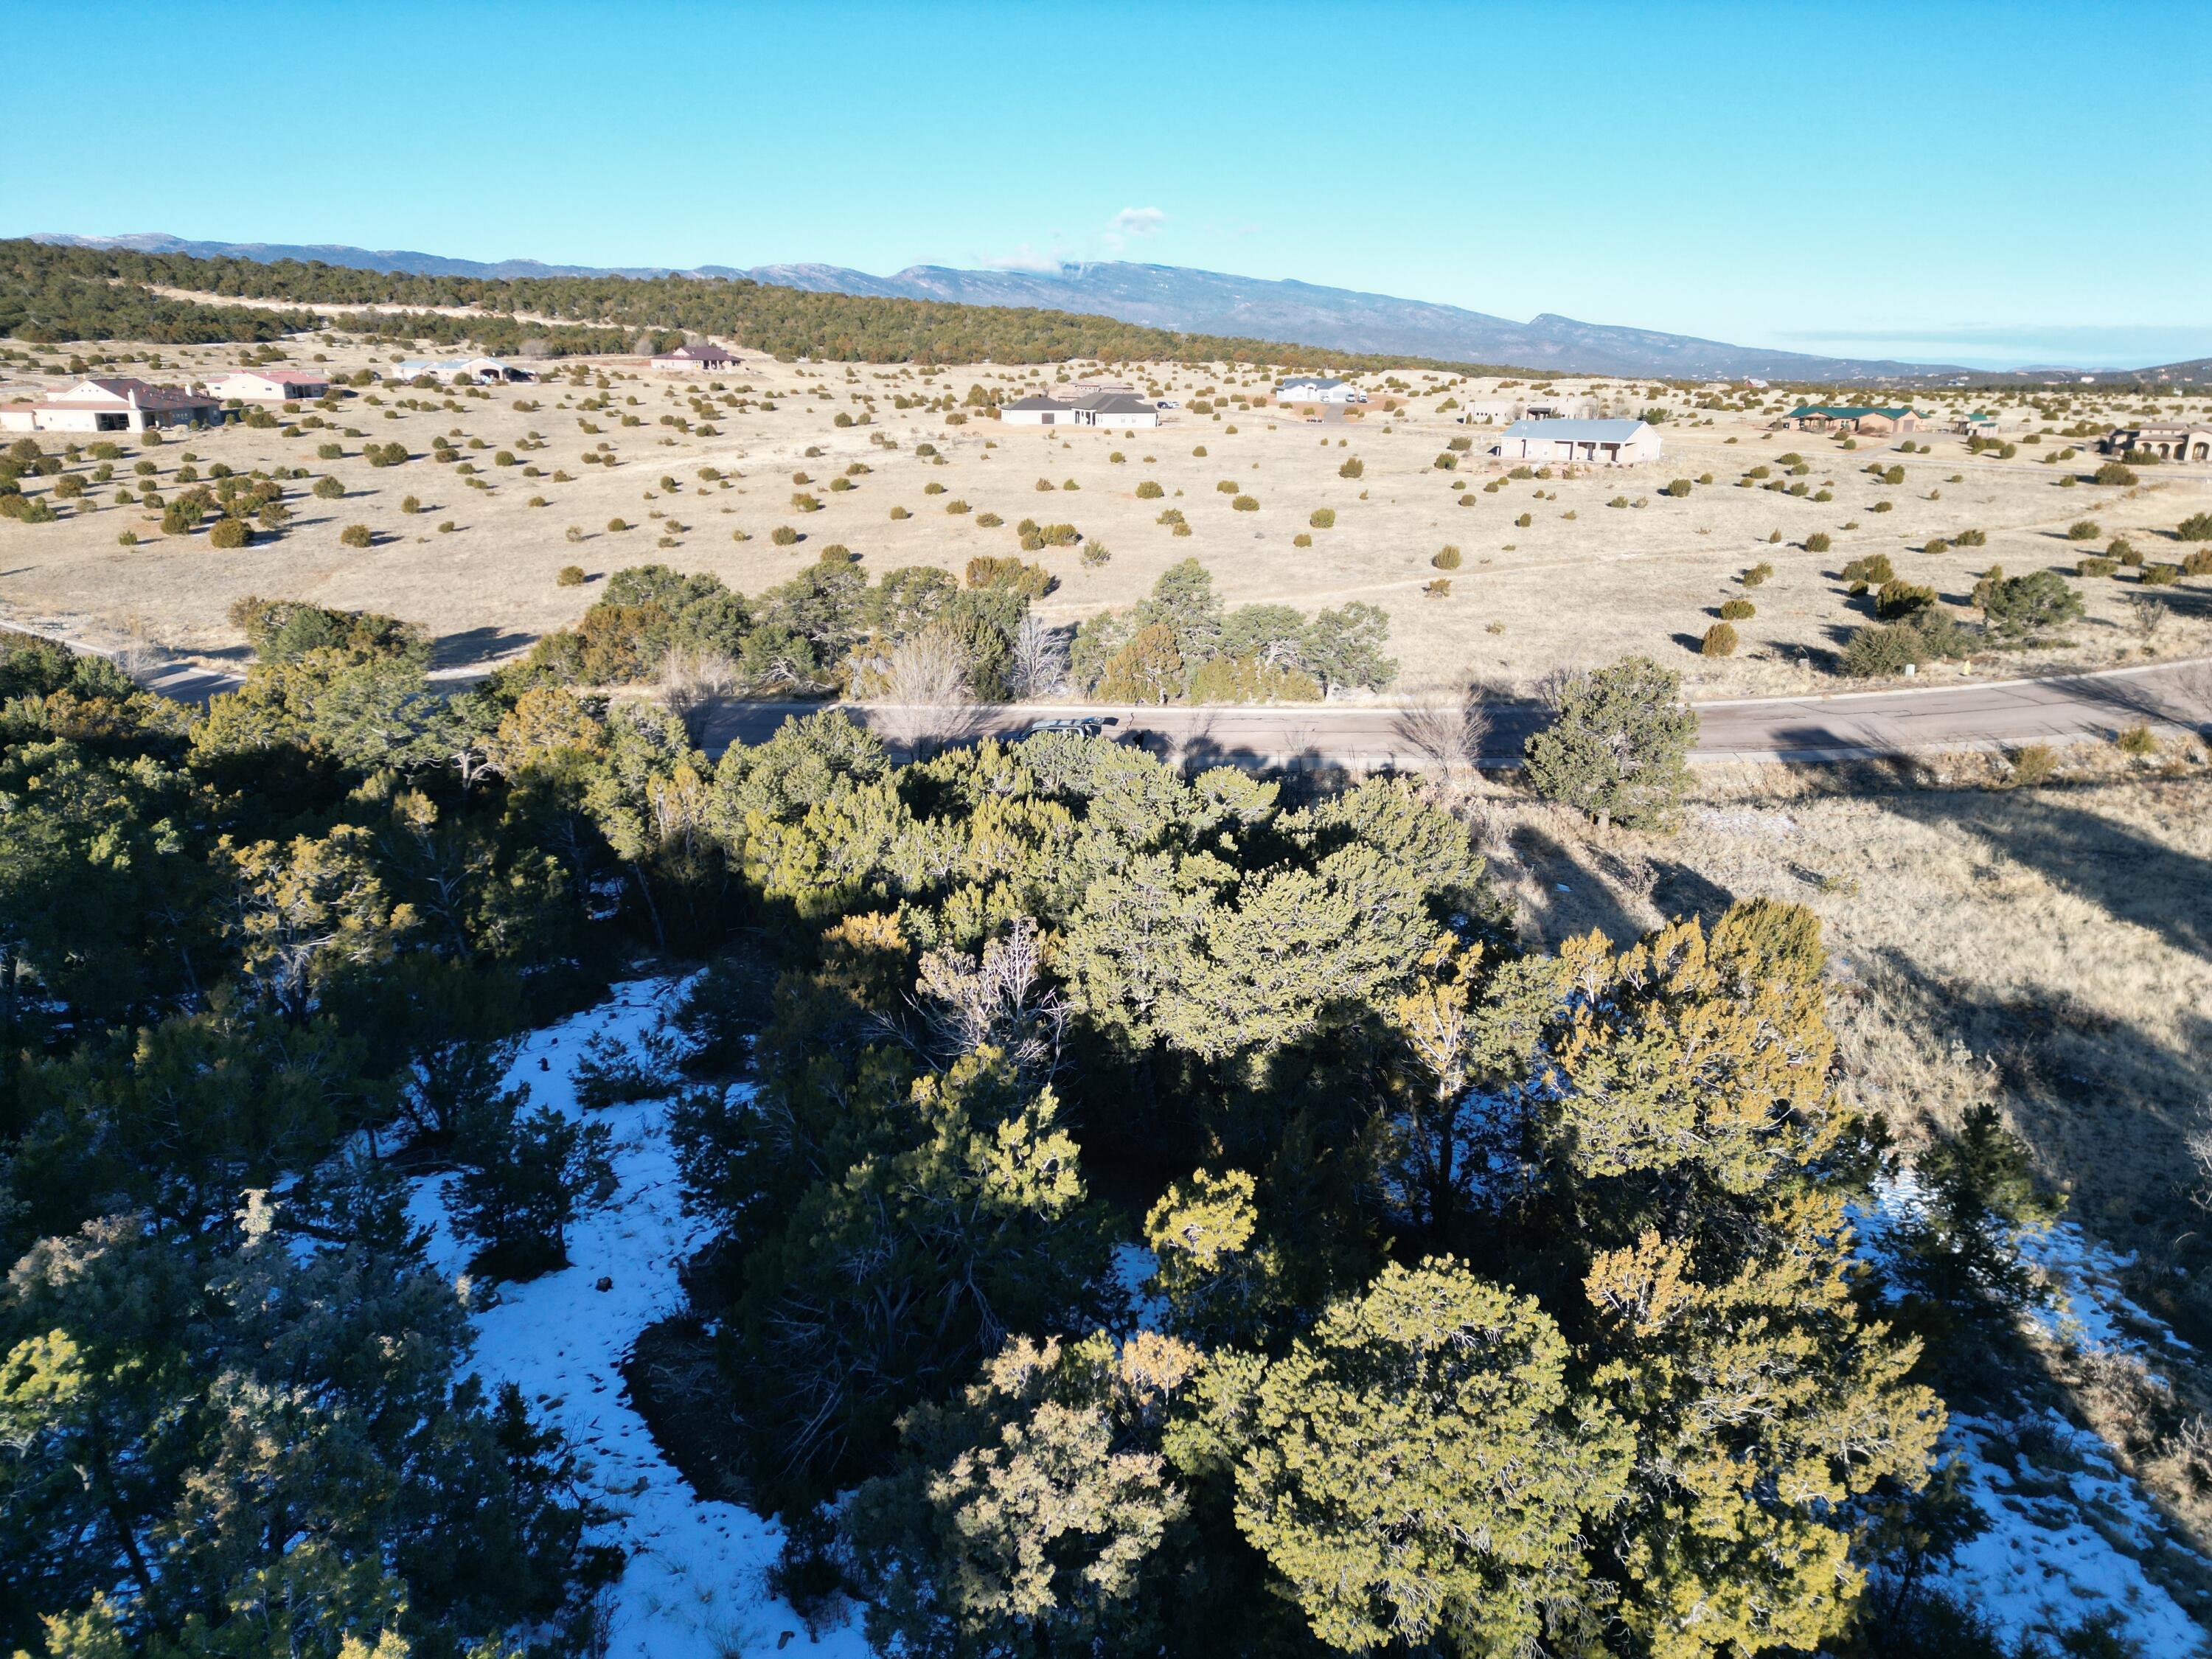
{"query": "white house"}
pixel 1091 408
pixel 253 386
pixel 1489 412
pixel 1600 443
pixel 444 368
pixel 112 404
pixel 694 360
pixel 1318 389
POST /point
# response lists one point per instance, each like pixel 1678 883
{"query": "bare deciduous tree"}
pixel 999 1000
pixel 922 682
pixel 1040 659
pixel 691 682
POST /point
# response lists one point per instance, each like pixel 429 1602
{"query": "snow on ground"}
pixel 2068 1529
pixel 694 1585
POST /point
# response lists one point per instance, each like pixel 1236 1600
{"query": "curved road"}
pixel 2174 696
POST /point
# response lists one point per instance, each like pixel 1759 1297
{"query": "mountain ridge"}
pixel 1192 301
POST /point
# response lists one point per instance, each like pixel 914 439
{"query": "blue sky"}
pixel 1990 184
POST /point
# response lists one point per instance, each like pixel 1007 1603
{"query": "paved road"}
pixel 2170 696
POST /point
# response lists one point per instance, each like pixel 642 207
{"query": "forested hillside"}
pixel 1159 1213
pixel 50 293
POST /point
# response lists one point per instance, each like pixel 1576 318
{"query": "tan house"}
pixel 2170 440
pixel 1829 418
pixel 276 385
pixel 1590 443
pixel 116 404
pixel 695 360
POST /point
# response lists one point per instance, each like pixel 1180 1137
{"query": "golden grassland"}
pixel 1583 580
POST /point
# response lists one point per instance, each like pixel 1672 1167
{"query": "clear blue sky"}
pixel 1987 183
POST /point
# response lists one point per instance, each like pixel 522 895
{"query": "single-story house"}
pixel 276 385
pixel 112 404
pixel 1829 418
pixel 1495 412
pixel 1318 389
pixel 694 360
pixel 476 369
pixel 1600 443
pixel 1978 425
pixel 1091 408
pixel 2173 440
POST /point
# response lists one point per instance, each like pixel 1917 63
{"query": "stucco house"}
pixel 1595 443
pixel 476 369
pixel 275 385
pixel 1091 408
pixel 694 360
pixel 1318 389
pixel 2173 440
pixel 106 403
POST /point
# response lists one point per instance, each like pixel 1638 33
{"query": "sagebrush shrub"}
pixel 1720 640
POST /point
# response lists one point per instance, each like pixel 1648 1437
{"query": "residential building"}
pixel 2171 440
pixel 444 368
pixel 275 385
pixel 1318 389
pixel 104 404
pixel 1828 417
pixel 695 360
pixel 1597 443
pixel 1091 408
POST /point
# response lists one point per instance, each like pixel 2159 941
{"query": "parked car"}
pixel 1083 726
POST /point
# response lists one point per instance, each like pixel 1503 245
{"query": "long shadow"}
pixel 1556 865
pixel 475 645
pixel 2126 873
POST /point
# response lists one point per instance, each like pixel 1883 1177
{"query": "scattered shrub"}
pixel 2137 742
pixel 1818 542
pixel 1756 574
pixel 1678 488
pixel 1353 468
pixel 1738 610
pixel 571 575
pixel 1150 490
pixel 783 535
pixel 2032 764
pixel 1898 599
pixel 2092 565
pixel 2197 528
pixel 1524 521
pixel 355 535
pixel 1446 557
pixel 329 489
pixel 1245 504
pixel 616 526
pixel 1438 589
pixel 1324 517
pixel 1302 539
pixel 1720 640
pixel 2161 576
pixel 2112 472
pixel 2083 529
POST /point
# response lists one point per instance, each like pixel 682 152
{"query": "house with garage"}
pixel 1832 417
pixel 1120 409
pixel 273 386
pixel 116 403
pixel 447 369
pixel 1318 389
pixel 1586 443
pixel 695 360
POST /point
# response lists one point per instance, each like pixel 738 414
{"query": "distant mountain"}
pixel 1173 297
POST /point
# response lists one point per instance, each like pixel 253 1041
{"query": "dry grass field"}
pixel 1582 580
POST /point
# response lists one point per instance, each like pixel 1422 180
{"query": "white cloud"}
pixel 1023 258
pixel 1138 221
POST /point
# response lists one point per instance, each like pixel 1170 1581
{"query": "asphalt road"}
pixel 2172 696
pixel 2169 697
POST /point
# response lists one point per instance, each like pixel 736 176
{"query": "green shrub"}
pixel 1352 467
pixel 1738 610
pixel 355 535
pixel 897 512
pixel 1150 490
pixel 2138 742
pixel 2197 528
pixel 2092 565
pixel 2083 529
pixel 1870 571
pixel 1881 506
pixel 783 535
pixel 1679 487
pixel 330 452
pixel 2161 576
pixel 2198 563
pixel 616 526
pixel 329 489
pixel 1245 504
pixel 571 575
pixel 1756 574
pixel 1877 652
pixel 1302 539
pixel 1818 542
pixel 2112 472
pixel 1438 589
pixel 1524 521
pixel 1324 517
pixel 1446 557
pixel 1720 640
pixel 1898 599
pixel 127 539
pixel 2032 764
pixel 989 521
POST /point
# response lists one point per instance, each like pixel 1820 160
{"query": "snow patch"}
pixel 694 1586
